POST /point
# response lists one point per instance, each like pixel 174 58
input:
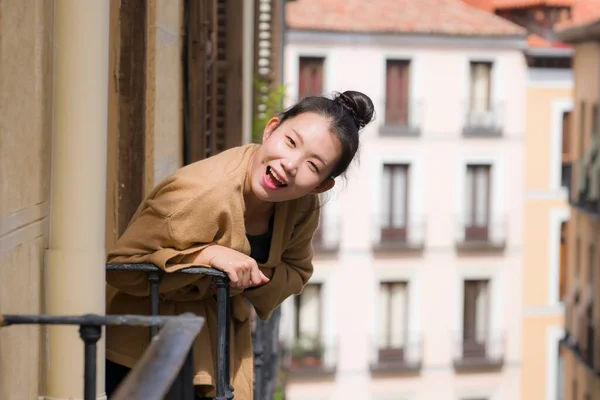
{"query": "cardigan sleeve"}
pixel 167 228
pixel 293 272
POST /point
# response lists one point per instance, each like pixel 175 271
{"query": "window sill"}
pixel 482 132
pixel 478 364
pixel 400 368
pixel 399 131
pixel 398 247
pixel 473 246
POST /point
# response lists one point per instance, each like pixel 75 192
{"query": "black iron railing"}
pixel 223 387
pixel 167 353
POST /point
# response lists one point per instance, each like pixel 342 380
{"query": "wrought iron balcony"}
pixel 479 352
pixel 406 237
pixel 407 124
pixel 405 357
pixel 327 236
pixel 165 369
pixel 223 382
pixel 310 356
pixel 484 121
pixel 487 235
pixel 586 179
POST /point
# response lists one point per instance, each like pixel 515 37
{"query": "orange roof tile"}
pixel 583 12
pixel 450 17
pixel 535 41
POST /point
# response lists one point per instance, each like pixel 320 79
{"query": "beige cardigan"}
pixel 202 204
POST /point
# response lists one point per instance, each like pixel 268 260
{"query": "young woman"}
pixel 251 212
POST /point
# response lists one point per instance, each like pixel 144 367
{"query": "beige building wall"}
pixel 548 96
pixel 26 106
pixel 25 146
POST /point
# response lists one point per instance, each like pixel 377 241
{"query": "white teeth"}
pixel 274 175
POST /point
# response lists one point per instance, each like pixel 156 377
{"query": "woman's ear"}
pixel 324 186
pixel 270 127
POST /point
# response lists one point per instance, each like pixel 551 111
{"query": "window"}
pixel 477 202
pixel 566 135
pixel 310 79
pixel 480 91
pixel 393 321
pixel 393 305
pixel 581 128
pixel 394 196
pixel 308 313
pixel 563 260
pixel 475 317
pixel 397 92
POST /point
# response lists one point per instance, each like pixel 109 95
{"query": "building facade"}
pixel 417 290
pixel 580 359
pixel 98 103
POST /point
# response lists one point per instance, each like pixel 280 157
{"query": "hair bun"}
pixel 358 104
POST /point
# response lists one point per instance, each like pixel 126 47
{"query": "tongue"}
pixel 272 180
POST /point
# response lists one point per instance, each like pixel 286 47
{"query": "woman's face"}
pixel 296 158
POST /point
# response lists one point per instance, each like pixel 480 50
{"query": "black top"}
pixel 260 245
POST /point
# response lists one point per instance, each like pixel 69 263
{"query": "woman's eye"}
pixel 291 141
pixel 313 166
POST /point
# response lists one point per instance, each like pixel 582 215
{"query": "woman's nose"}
pixel 290 166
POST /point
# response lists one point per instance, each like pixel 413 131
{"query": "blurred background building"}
pixel 442 264
pixel 581 362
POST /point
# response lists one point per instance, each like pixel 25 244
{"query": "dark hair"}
pixel 349 112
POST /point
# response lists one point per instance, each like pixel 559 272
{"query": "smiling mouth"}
pixel 274 178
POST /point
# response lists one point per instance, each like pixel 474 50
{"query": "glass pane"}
pixel 309 312
pixel 399 217
pixel 385 197
pixel 399 309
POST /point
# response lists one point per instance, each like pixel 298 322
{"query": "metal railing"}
pixel 479 350
pixel 307 356
pixel 162 365
pixel 327 236
pixel 391 356
pixel 407 236
pixel 484 122
pixel 490 233
pixel 223 387
pixel 407 123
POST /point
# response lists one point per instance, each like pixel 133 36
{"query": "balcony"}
pixel 408 237
pixel 479 353
pixel 486 236
pixel 586 184
pixel 310 357
pixel 407 124
pixel 485 121
pixel 326 240
pixel 397 358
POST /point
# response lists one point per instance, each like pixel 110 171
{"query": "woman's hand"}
pixel 242 270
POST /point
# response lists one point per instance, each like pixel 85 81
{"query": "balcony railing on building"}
pixel 405 121
pixel 481 233
pixel 402 234
pixel 310 356
pixel 484 118
pixel 478 351
pixel 326 239
pixel 402 354
pixel 587 180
